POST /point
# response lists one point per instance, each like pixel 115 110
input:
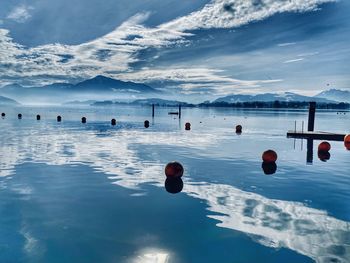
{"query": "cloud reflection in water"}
pixel 272 223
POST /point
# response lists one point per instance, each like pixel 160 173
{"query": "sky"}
pixel 195 49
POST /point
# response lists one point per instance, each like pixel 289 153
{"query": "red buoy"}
pixel 269 156
pixel 174 169
pixel 187 126
pixel 347 138
pixel 347 142
pixel 324 147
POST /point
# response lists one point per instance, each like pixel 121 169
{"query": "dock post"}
pixel 179 111
pixel 310 151
pixel 152 110
pixel 312 111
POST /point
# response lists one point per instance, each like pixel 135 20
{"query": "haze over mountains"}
pixel 7 101
pixel 97 88
pixel 103 89
pixel 329 96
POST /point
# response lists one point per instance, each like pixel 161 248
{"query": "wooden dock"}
pixel 316 135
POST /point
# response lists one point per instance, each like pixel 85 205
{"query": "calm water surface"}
pixel 72 192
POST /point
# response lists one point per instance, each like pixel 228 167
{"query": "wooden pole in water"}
pixel 179 111
pixel 310 151
pixel 312 111
pixel 152 110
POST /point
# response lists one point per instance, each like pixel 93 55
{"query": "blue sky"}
pixel 199 49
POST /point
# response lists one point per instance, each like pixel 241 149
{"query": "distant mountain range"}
pixel 7 101
pixel 150 101
pixel 102 90
pixel 329 96
pixel 336 95
pixel 99 87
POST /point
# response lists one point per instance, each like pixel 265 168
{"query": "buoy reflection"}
pixel 324 156
pixel 174 185
pixel 269 168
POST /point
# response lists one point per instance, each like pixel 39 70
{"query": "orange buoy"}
pixel 269 168
pixel 347 138
pixel 324 156
pixel 113 122
pixel 59 118
pixel 269 156
pixel 187 126
pixel 239 129
pixel 347 142
pixel 173 185
pixel 83 120
pixel 174 169
pixel 19 116
pixel 324 147
pixel 146 123
pixel 347 145
pixel 38 117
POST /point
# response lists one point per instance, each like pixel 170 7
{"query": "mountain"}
pixel 97 88
pixel 99 83
pixel 7 101
pixel 159 102
pixel 144 102
pixel 335 94
pixel 268 97
pixel 79 103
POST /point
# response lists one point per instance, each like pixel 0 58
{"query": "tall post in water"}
pixel 152 110
pixel 312 111
pixel 310 151
pixel 179 111
pixel 311 127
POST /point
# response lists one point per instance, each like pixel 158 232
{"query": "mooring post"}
pixel 310 151
pixel 312 111
pixel 152 110
pixel 179 111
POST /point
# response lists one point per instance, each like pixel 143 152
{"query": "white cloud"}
pixel 286 44
pixel 229 13
pixel 196 80
pixel 114 53
pixel 20 13
pixel 293 60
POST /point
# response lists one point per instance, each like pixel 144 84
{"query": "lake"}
pixel 73 192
